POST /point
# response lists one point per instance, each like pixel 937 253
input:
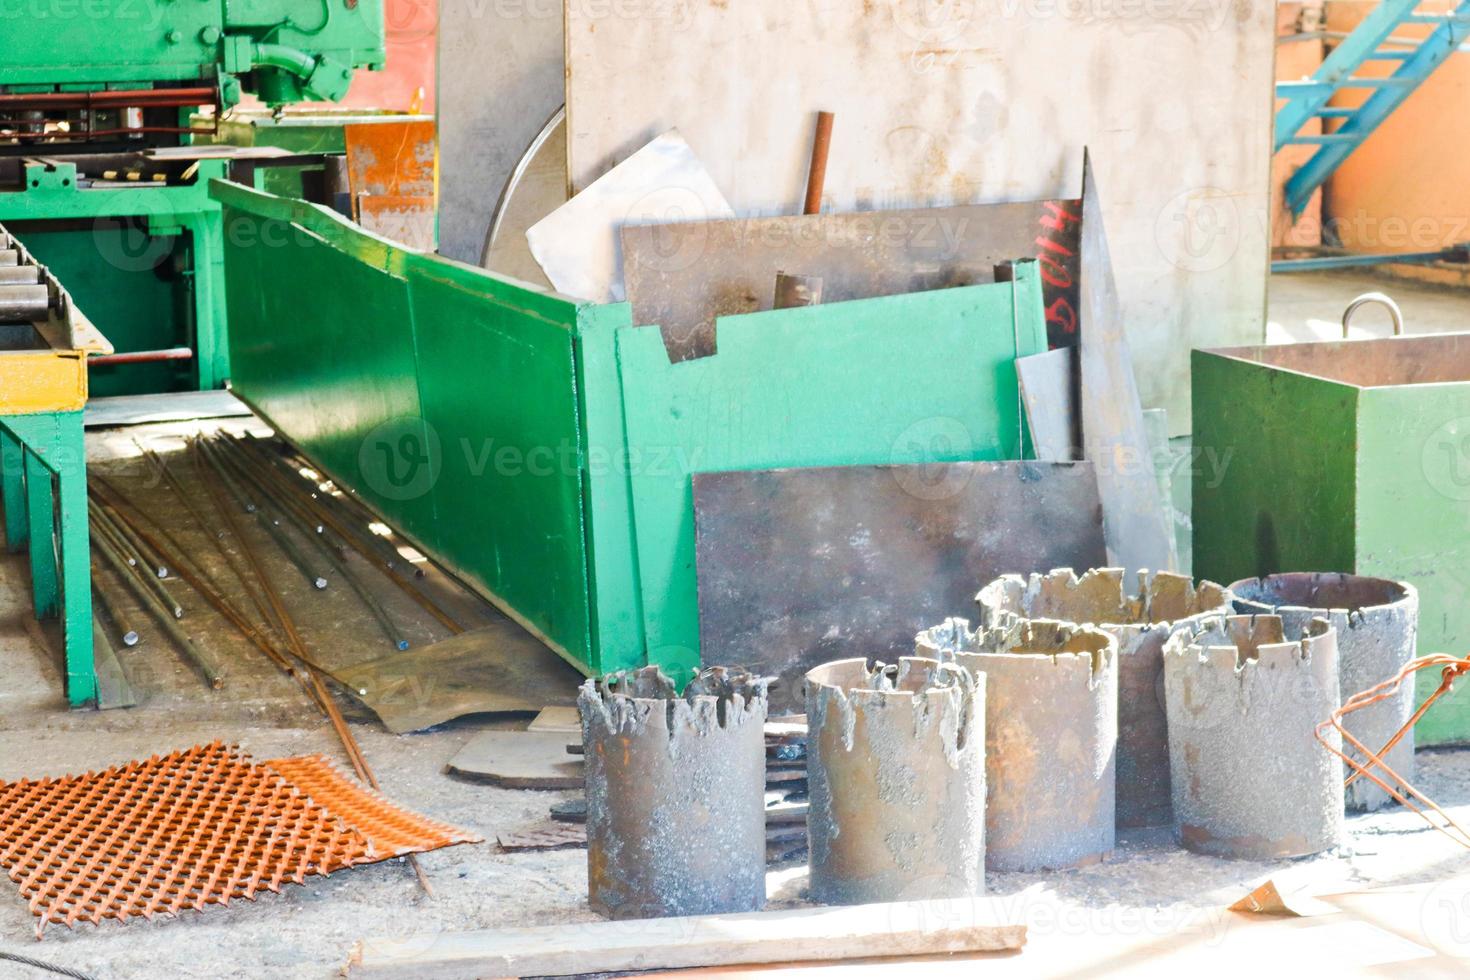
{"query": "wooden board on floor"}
pixel 519 760
pixel 793 935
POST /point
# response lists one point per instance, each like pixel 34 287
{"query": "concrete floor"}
pixel 1306 306
pixel 1150 893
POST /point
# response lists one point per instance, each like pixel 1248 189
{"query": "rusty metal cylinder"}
pixel 896 766
pixel 1051 737
pixel 1140 615
pixel 1251 781
pixel 675 793
pixel 1377 623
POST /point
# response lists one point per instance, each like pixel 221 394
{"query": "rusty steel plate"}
pixel 683 276
pixel 799 567
pixel 192 829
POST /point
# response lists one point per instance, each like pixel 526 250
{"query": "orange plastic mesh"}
pixel 190 830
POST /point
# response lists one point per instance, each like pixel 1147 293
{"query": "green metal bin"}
pixel 1349 456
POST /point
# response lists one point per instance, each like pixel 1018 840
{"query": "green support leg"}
pixel 13 488
pixel 61 574
pixel 76 567
pixel 40 504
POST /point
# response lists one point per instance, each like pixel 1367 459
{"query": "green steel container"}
pixel 542 447
pixel 1351 456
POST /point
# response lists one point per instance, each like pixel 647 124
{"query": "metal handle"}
pixel 1380 298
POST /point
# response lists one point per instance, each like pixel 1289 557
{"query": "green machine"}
pixel 101 102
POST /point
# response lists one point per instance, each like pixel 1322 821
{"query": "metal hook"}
pixel 1381 298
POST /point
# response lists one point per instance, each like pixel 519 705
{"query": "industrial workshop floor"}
pixel 1151 900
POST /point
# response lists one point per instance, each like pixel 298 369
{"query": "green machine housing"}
pixel 93 94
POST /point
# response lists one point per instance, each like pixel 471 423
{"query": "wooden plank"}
pixel 794 935
pixel 948 103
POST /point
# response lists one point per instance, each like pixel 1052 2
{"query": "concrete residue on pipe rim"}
pixel 1246 642
pixel 1063 643
pixel 1102 596
pixel 719 698
pixel 940 693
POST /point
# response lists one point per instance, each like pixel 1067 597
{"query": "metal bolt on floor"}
pixel 1251 781
pixel 1051 737
pixel 896 764
pixel 1377 623
pixel 675 793
pixel 1141 617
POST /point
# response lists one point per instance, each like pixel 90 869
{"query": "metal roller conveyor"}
pixel 24 303
pixel 28 274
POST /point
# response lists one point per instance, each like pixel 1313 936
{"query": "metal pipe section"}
pixel 675 793
pixel 896 767
pixel 1377 624
pixel 144 356
pixel 1250 779
pixel 1051 736
pixel 816 181
pixel 1141 617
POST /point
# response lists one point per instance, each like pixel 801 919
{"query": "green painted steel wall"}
pixel 561 437
pixel 433 390
pixel 1325 476
pixel 924 377
pixel 1274 487
pixel 1413 474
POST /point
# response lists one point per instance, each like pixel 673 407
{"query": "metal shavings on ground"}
pixel 193 829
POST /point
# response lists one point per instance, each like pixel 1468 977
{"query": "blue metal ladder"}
pixel 1308 98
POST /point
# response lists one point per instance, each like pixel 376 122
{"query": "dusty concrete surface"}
pixel 307 932
pixel 1304 306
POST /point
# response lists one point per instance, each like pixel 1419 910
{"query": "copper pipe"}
pixel 145 98
pixel 143 356
pixel 816 181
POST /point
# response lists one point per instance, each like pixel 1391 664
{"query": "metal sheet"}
pixel 802 566
pixel 577 244
pixel 498 668
pixel 1049 392
pixel 961 102
pixel 683 276
pixel 537 187
pixel 1113 434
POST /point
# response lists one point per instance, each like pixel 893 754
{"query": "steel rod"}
pixel 206 663
pixel 143 356
pixel 111 610
pixel 816 181
pixel 136 564
pixel 298 647
pixel 352 538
